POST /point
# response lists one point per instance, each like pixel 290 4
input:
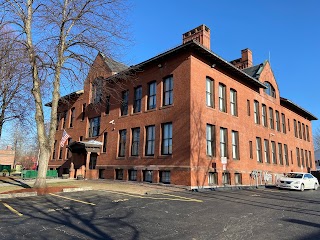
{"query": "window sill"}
pixel 149 157
pixel 150 110
pixel 120 158
pixel 165 156
pixel 167 106
pixel 134 157
pixel 212 108
pixel 123 116
pixel 136 113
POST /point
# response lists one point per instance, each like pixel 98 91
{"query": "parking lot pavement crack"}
pixel 240 227
pixel 68 233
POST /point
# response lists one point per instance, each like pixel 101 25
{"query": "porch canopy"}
pixel 91 146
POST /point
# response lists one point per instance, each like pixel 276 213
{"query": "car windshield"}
pixel 294 175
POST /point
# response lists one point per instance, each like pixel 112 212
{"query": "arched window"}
pixel 96 91
pixel 270 89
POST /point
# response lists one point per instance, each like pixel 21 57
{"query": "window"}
pixel 122 143
pixel 83 111
pixel 119 174
pixel 72 114
pixel 286 156
pixel 226 178
pixel 288 124
pixel 168 91
pixel 209 92
pixel 132 175
pixel 64 119
pixel 310 159
pixel 280 153
pixel 60 153
pixel 137 99
pixel 235 144
pixel 264 116
pixel 259 153
pixel 248 107
pixel 67 150
pixel 54 149
pixel 306 156
pixel 270 89
pixel 96 91
pixel 124 105
pixel 105 140
pixel 213 178
pixel 58 120
pixel 147 176
pixel 94 127
pixel 271 122
pixel 150 138
pixel 277 121
pixel 256 112
pixel 283 121
pixel 298 156
pixel 164 176
pixel 250 149
pixel 152 95
pixel 299 129
pixel 135 141
pixel 233 102
pixel 211 143
pixel 223 142
pixel 302 158
pixel 107 111
pixel 266 151
pixel 237 178
pixel 166 139
pixel 80 138
pixel 222 98
pixel 295 128
pixel 273 152
pixel 307 131
pixel 303 131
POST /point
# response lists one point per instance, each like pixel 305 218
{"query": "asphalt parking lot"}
pixel 236 214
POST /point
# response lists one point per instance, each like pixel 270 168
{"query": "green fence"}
pixel 29 174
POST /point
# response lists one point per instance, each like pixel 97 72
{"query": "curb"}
pixel 76 189
pixel 33 194
pixel 15 195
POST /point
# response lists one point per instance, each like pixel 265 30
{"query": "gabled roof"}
pixel 198 48
pixel 254 71
pixel 295 108
pixel 113 65
pixel 67 97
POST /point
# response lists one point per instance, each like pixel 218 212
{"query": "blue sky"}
pixel 288 30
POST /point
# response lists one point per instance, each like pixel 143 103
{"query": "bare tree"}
pixel 61 38
pixel 316 139
pixel 13 79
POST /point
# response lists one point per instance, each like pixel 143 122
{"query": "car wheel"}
pixel 302 187
pixel 316 186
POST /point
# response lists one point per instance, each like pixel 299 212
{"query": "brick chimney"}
pixel 200 34
pixel 245 61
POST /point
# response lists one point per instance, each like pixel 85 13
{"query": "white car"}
pixel 298 181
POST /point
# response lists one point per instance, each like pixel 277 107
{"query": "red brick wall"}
pixel 189 115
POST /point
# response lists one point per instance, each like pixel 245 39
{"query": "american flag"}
pixel 64 138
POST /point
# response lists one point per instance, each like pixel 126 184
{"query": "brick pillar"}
pixel 156 177
pixel 87 164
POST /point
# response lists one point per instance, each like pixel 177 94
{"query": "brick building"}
pixel 7 156
pixel 186 117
